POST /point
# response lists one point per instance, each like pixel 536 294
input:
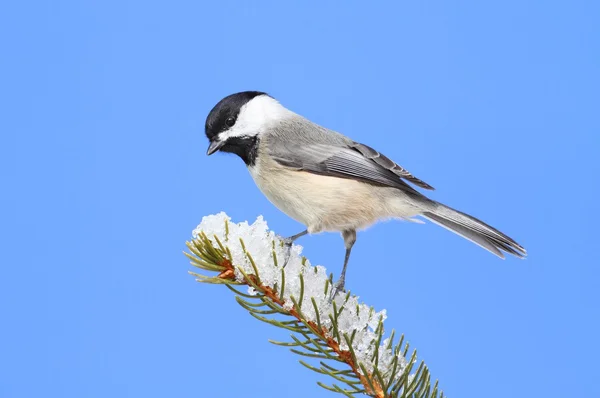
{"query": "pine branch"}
pixel 296 298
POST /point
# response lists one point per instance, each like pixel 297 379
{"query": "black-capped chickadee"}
pixel 327 181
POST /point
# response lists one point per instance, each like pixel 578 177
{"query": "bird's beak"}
pixel 214 146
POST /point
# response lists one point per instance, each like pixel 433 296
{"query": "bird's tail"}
pixel 474 230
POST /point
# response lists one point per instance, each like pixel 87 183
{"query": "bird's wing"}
pixel 390 165
pixel 355 161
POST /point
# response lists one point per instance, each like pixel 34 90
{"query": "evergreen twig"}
pixel 319 335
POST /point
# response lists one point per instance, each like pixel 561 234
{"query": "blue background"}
pixel 104 175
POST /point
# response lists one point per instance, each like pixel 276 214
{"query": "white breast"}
pixel 324 203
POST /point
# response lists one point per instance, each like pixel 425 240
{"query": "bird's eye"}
pixel 230 121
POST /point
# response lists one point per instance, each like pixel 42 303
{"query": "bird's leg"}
pixel 349 240
pixel 291 239
pixel 287 242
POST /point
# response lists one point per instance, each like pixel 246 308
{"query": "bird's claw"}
pixel 287 244
pixel 337 288
pixel 285 241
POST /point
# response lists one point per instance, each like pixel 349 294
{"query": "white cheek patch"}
pixel 233 132
pixel 255 117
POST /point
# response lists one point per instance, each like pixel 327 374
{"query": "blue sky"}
pixel 104 176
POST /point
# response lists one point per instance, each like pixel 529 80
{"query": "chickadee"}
pixel 327 181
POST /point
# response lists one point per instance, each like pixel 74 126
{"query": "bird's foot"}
pixel 286 241
pixel 287 244
pixel 337 288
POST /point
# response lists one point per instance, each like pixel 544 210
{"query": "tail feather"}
pixel 474 230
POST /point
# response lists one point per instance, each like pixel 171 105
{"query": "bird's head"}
pixel 236 122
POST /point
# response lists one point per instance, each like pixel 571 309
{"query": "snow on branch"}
pixel 343 338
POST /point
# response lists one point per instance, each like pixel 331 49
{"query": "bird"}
pixel 327 181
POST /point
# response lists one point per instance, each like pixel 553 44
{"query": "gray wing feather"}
pixel 387 163
pixel 298 143
pixel 337 161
